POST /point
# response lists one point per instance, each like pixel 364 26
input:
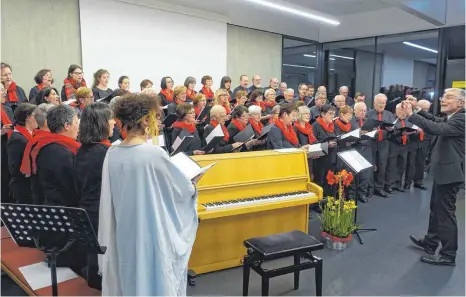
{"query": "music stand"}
pixel 357 163
pixel 50 229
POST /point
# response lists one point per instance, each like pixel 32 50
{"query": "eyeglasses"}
pixel 78 73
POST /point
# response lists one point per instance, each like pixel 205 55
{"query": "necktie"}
pixel 404 137
pixel 380 138
pixel 421 135
pixel 361 122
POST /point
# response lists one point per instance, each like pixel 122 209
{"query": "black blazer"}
pixel 386 117
pixel 447 159
pixel 88 165
pixel 55 176
pixel 195 144
pixel 171 108
pixel 222 148
pixel 20 185
pixel 396 136
pixel 6 197
pixel 33 93
pixel 165 101
pixel 276 140
pixel 321 134
pixel 232 130
pixel 21 97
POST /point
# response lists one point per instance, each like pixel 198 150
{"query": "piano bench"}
pixel 295 243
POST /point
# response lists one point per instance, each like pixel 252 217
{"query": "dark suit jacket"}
pixel 447 160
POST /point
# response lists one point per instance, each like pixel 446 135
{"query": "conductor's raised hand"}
pixel 332 143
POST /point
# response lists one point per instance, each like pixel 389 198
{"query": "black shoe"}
pixel 370 193
pixel 407 186
pixel 420 186
pixel 438 260
pixel 399 189
pixel 362 198
pixel 420 243
pixel 380 193
pixel 389 190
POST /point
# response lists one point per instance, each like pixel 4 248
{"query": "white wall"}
pixel 147 43
pixel 253 52
pixel 397 71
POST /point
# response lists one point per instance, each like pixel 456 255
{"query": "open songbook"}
pixel 245 135
pixel 317 150
pixel 181 142
pixel 349 138
pixel 265 131
pixel 188 166
pixel 213 139
pixel 370 134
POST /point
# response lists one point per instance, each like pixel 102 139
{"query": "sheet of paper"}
pixel 315 150
pixel 160 141
pixel 188 166
pixel 371 134
pixel 38 275
pixel 216 132
pixel 355 160
pixel 287 150
pixel 354 133
pixel 116 142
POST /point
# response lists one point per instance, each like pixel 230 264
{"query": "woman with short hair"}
pixel 255 114
pixel 146 84
pixel 190 84
pixel 24 124
pixel 14 94
pixel 47 95
pixel 179 97
pixel 123 83
pixel 84 97
pixel 239 121
pixel 143 192
pixel 269 102
pixel 43 79
pixel 275 113
pixel 100 88
pixel 73 81
pixel 166 92
pixel 282 135
pixel 256 98
pixel 241 98
pixel 207 82
pixel 186 120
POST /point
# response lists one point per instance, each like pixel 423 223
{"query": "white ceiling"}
pixel 358 18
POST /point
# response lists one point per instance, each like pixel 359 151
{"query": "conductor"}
pixel 448 168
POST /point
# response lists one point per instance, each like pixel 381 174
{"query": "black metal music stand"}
pixel 357 163
pixel 50 229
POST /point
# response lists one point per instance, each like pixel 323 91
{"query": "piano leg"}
pixel 246 271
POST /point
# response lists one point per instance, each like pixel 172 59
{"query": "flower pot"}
pixel 336 243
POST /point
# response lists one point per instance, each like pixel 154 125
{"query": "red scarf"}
pixel 168 94
pixel 197 110
pixel 190 94
pixel 26 162
pixel 214 123
pixel 24 132
pixel 238 124
pixel 71 86
pixel 5 119
pixel 329 128
pixel 288 132
pixel 120 127
pixel 257 126
pixel 227 108
pixel 77 104
pixel 209 94
pixel 343 127
pixel 11 93
pixel 307 130
pixel 272 120
pixel 404 138
pixel 106 142
pixel 270 103
pixel 421 135
pixel 40 86
pixel 260 104
pixel 380 118
pixel 182 125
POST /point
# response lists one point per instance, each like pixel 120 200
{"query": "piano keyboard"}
pixel 256 200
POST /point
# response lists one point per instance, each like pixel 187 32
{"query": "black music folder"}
pixel 265 131
pixel 350 137
pixel 328 139
pixel 169 120
pixel 370 124
pixel 245 135
pixel 182 142
pixel 384 125
pixel 406 129
pixel 204 113
pixel 214 138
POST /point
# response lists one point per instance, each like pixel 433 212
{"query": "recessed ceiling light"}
pixel 310 56
pixel 299 66
pixel 343 57
pixel 420 47
pixel 332 69
pixel 332 59
pixel 296 12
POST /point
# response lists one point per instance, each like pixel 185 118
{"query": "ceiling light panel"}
pixel 420 47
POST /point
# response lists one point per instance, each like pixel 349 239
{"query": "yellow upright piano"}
pixel 249 195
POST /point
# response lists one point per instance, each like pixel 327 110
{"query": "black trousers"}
pixel 21 189
pixel 320 168
pixel 416 163
pixel 380 152
pixel 396 164
pixel 442 220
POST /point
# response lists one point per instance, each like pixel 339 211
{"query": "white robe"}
pixel 148 222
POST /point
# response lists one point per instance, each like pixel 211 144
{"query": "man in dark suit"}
pixel 448 168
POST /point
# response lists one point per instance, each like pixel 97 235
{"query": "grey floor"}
pixel 386 264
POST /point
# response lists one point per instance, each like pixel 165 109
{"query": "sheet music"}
pixel 188 166
pixel 38 275
pixel 317 150
pixel 116 142
pixel 287 150
pixel 160 141
pixel 216 132
pixel 415 127
pixel 354 133
pixel 371 134
pixel 354 160
pixel 177 143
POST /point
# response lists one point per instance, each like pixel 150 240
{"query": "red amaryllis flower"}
pixel 331 178
pixel 347 178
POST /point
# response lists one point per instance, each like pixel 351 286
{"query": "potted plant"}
pixel 337 216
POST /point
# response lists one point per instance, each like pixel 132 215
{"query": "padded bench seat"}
pixel 295 243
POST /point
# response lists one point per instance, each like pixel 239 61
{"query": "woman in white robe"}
pixel 148 211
